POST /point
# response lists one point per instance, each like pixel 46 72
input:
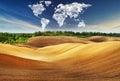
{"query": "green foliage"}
pixel 14 38
pixel 78 34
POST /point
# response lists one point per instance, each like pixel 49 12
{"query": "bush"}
pixel 14 38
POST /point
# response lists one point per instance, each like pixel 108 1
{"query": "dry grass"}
pixel 42 41
pixel 63 62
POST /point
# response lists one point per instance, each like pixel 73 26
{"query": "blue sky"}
pixel 101 16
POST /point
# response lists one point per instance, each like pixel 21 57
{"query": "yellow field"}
pixel 70 61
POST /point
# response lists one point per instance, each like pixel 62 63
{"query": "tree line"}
pixel 14 38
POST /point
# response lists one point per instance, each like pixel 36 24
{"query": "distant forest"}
pixel 14 38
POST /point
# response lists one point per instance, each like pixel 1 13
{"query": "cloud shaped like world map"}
pixel 61 12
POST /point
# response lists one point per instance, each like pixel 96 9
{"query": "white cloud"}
pixel 81 24
pixel 62 12
pixel 37 8
pixel 17 25
pixel 47 3
pixel 44 23
pixel 41 1
pixel 69 10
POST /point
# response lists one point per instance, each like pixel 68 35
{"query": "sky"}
pixel 25 16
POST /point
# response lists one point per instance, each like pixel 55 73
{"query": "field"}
pixel 18 38
pixel 61 58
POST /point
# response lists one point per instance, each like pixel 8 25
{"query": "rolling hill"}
pixel 98 60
